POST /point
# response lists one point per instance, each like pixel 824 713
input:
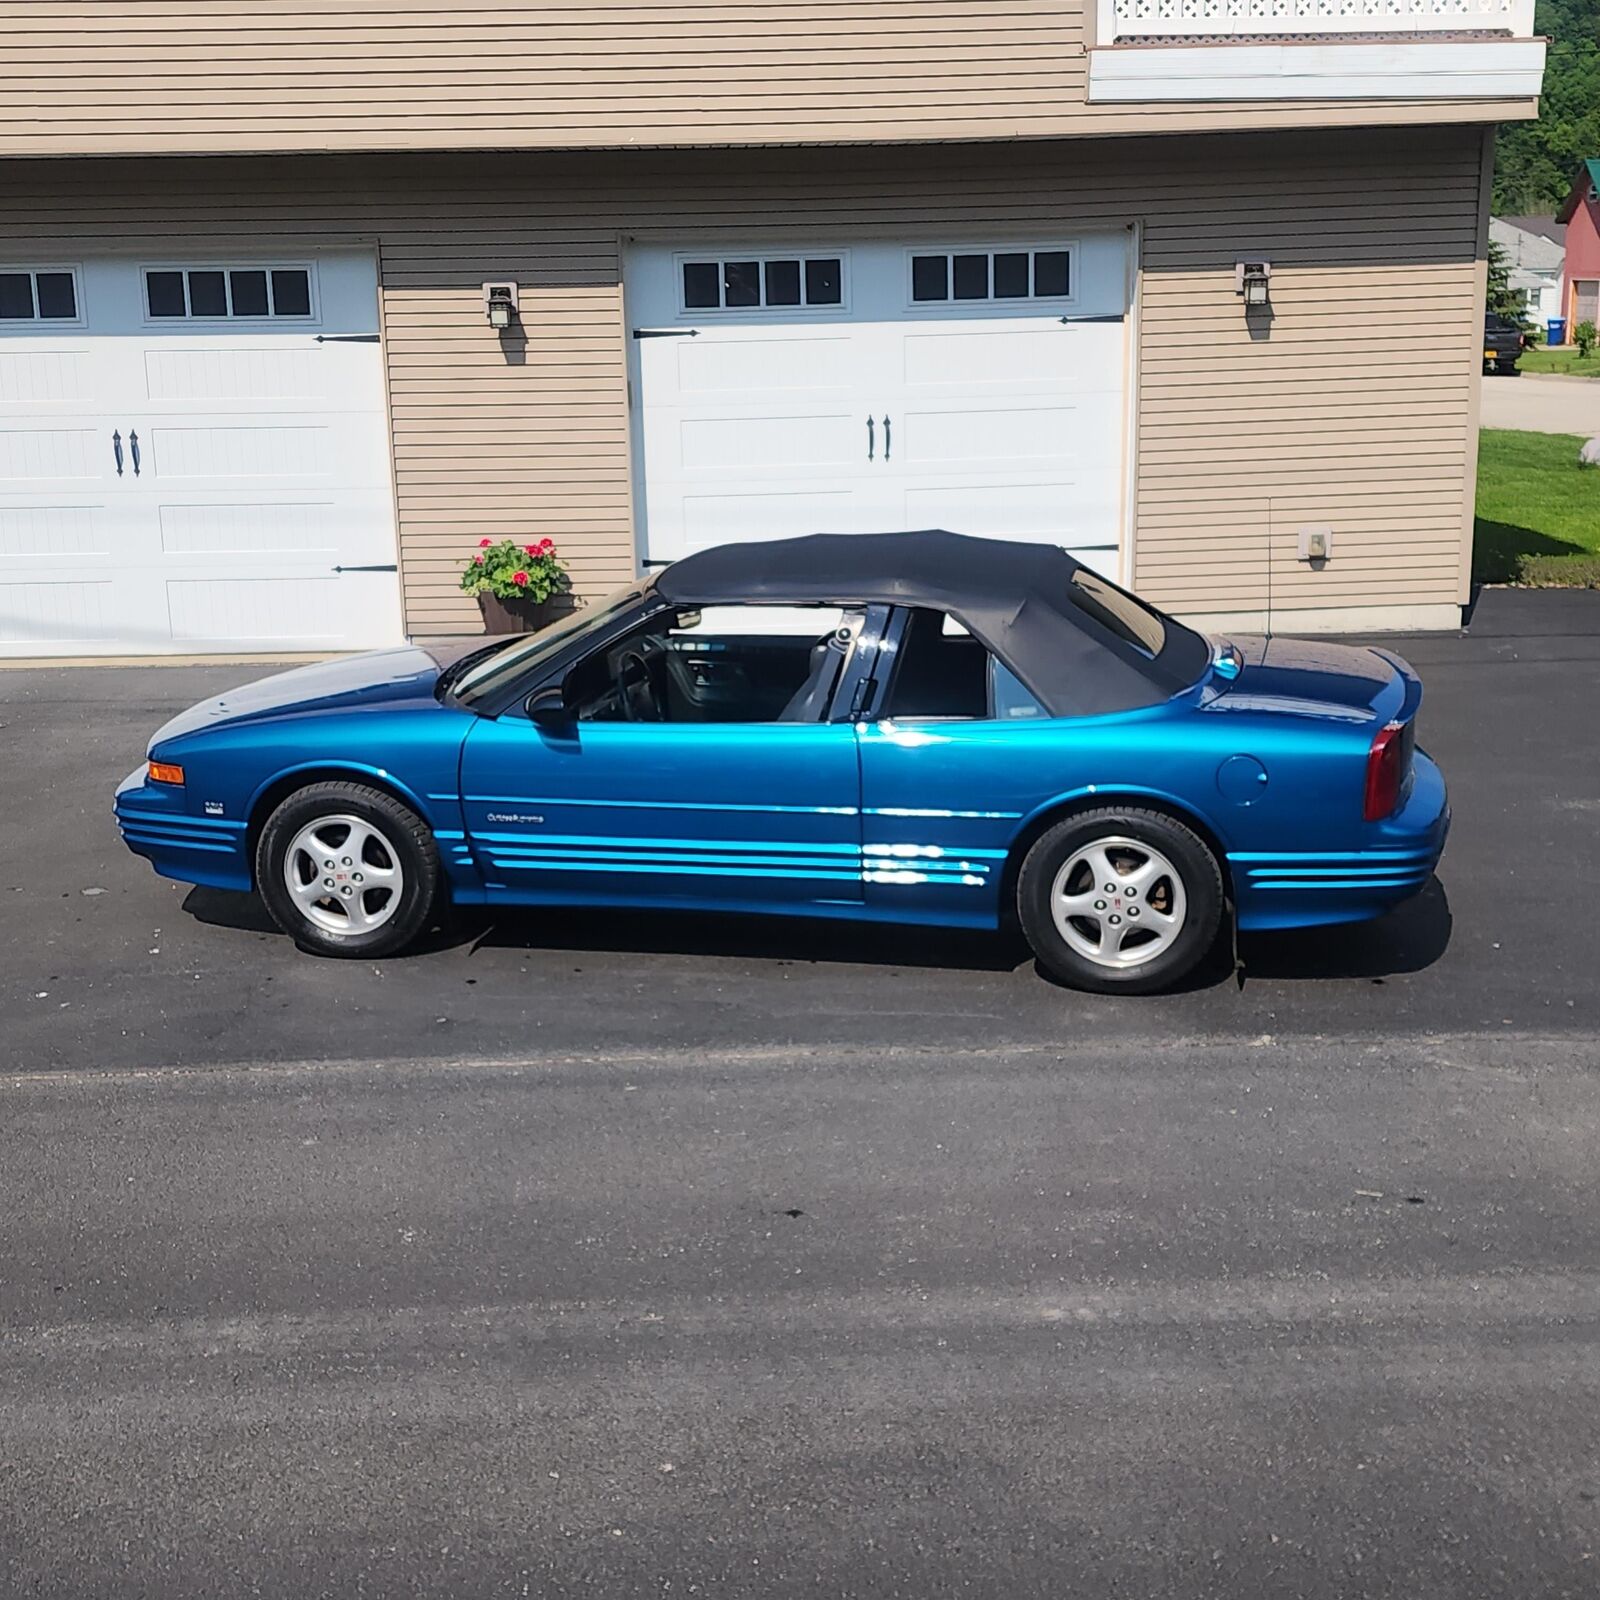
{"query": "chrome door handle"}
pixel 872 435
pixel 887 439
pixel 116 450
pixel 133 446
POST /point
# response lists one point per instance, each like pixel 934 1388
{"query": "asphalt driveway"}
pixel 1541 403
pixel 586 1255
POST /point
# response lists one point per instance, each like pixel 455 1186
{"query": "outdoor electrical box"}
pixel 1316 543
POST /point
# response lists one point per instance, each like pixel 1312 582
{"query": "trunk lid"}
pixel 1339 682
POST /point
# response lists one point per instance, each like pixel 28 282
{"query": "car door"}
pixel 955 753
pixel 728 789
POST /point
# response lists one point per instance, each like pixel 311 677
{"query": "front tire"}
pixel 347 870
pixel 1120 900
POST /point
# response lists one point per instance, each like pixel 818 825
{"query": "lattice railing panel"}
pixel 1136 19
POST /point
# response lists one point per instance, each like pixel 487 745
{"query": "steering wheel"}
pixel 640 693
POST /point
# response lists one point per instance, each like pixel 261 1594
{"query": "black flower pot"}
pixel 513 616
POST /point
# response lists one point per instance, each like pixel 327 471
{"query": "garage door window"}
pixel 990 275
pixel 757 283
pixel 228 293
pixel 43 295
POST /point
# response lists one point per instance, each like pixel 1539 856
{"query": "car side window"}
pixel 721 664
pixel 942 672
pixel 1010 698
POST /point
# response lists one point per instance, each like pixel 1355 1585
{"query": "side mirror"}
pixel 549 708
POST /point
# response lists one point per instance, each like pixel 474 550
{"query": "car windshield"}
pixel 492 672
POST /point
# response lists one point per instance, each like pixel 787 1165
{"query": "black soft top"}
pixel 1019 599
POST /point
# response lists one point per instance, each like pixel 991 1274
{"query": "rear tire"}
pixel 1120 900
pixel 347 870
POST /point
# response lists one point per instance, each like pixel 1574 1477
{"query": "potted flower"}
pixel 515 583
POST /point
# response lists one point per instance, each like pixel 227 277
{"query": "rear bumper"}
pixel 155 823
pixel 1312 888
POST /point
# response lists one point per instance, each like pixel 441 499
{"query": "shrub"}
pixel 1583 337
pixel 1559 572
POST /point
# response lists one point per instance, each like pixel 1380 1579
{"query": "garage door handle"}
pixel 347 338
pixel 116 450
pixel 391 567
pixel 871 437
pixel 888 438
pixel 133 446
pixel 666 333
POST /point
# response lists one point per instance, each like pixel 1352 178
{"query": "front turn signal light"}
pixel 166 772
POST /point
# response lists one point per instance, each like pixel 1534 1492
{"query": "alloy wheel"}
pixel 1118 902
pixel 343 874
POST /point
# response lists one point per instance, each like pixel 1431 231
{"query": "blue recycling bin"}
pixel 1555 330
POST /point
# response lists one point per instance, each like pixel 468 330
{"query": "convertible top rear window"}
pixel 1129 619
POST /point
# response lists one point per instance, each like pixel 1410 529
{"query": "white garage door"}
pixel 193 457
pixel 866 388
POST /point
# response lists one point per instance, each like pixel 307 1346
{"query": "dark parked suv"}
pixel 1503 343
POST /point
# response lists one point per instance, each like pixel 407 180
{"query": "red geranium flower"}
pixel 478 559
pixel 532 549
pixel 520 579
pixel 483 544
pixel 546 545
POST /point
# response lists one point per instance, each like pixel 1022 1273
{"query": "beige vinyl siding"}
pixel 142 77
pixel 1355 412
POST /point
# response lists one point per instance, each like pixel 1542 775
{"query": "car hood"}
pixel 377 677
pixel 1347 683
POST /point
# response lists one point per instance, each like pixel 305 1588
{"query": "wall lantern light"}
pixel 500 305
pixel 1251 279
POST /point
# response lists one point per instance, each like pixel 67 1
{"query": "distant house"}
pixel 1536 249
pixel 1581 283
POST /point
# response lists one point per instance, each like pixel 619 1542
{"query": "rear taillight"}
pixel 1388 761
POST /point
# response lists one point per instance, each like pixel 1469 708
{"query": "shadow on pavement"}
pixel 667 932
pixel 1407 940
pixel 1410 938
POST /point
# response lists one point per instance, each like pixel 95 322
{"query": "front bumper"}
pixel 1313 888
pixel 155 823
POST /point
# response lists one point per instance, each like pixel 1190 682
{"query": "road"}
pixel 746 1260
pixel 1540 403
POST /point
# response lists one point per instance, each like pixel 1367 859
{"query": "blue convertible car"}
pixel 913 727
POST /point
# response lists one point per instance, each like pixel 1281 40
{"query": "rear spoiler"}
pixel 1409 681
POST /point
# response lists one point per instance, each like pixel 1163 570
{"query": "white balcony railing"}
pixel 1288 50
pixel 1134 21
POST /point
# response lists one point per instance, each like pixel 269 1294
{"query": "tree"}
pixel 1535 161
pixel 1503 300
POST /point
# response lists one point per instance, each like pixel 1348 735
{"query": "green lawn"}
pixel 1564 358
pixel 1538 511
